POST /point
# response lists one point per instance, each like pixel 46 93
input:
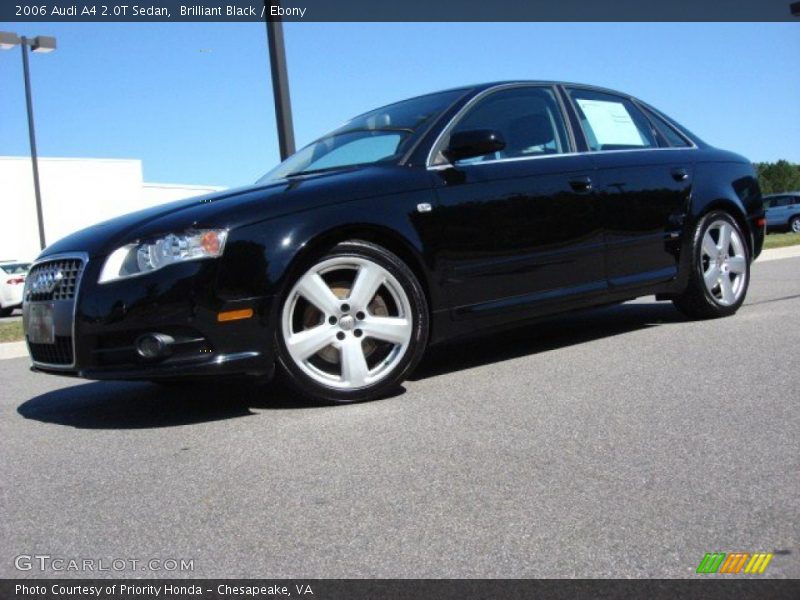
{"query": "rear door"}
pixel 643 183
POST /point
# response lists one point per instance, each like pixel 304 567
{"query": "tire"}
pixel 719 275
pixel 6 312
pixel 369 319
pixel 794 224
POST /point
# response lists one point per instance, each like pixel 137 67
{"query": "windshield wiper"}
pixel 314 171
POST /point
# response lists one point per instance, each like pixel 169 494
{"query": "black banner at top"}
pixel 102 11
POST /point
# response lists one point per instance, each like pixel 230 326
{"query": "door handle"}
pixel 680 174
pixel 581 184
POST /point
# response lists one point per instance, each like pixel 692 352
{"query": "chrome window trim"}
pixel 544 156
pixel 504 160
pixel 84 258
pixel 570 133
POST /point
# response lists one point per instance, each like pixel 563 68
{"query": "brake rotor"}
pixel 312 317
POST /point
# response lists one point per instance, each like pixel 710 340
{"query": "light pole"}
pixel 41 43
pixel 280 81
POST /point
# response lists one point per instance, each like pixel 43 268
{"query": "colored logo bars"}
pixel 734 562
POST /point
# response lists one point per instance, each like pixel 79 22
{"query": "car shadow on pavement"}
pixel 127 405
pixel 130 405
pixel 545 335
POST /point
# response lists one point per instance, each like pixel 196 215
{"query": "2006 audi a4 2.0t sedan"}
pixel 461 211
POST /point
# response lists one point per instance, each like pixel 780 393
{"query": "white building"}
pixel 76 193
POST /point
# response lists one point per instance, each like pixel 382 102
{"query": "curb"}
pixel 778 253
pixel 13 350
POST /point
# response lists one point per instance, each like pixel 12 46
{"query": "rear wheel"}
pixel 353 325
pixel 794 224
pixel 720 271
pixel 6 312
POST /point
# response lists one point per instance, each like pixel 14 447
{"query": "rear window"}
pixel 778 201
pixel 675 139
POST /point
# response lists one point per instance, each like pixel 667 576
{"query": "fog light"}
pixel 154 345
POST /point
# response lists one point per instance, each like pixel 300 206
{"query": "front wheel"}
pixel 353 325
pixel 720 269
pixel 794 224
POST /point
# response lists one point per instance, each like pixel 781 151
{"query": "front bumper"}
pixel 241 363
pixel 96 326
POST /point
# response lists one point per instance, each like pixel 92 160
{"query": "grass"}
pixel 779 240
pixel 11 331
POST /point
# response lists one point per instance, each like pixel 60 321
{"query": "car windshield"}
pixel 15 268
pixel 379 136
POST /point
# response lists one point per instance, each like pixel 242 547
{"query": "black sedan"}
pixel 468 210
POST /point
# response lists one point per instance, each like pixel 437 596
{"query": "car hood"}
pixel 241 206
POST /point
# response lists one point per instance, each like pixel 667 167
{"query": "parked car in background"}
pixel 783 211
pixel 473 209
pixel 12 283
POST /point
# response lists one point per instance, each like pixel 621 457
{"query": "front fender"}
pixel 263 258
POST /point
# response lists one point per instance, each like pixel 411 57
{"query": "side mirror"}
pixel 476 142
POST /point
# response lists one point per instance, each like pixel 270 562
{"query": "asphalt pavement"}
pixel 620 442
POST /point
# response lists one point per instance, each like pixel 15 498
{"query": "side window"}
pixel 611 122
pixel 528 118
pixel 666 130
pixel 779 202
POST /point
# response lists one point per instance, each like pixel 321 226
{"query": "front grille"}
pixel 59 353
pixel 53 280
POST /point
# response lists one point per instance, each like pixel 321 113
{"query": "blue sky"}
pixel 194 101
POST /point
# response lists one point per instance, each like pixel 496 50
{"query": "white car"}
pixel 12 282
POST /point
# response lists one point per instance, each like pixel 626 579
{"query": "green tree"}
pixel 781 176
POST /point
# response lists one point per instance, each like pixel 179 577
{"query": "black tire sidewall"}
pixel 306 386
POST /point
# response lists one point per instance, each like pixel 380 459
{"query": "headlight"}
pixel 149 256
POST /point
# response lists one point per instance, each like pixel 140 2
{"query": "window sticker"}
pixel 611 123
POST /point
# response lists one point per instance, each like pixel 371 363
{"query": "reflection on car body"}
pixel 467 210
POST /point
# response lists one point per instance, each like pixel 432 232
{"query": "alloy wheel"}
pixel 724 262
pixel 347 323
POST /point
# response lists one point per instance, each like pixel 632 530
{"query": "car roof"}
pixel 479 87
pixel 485 86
